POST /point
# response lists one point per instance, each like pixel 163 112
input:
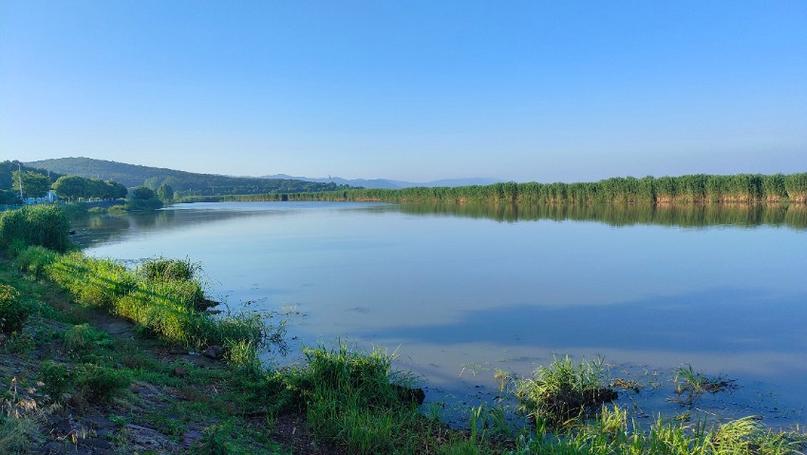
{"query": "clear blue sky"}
pixel 559 90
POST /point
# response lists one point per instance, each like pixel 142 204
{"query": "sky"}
pixel 414 90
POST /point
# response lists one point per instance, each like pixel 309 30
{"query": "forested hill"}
pixel 186 183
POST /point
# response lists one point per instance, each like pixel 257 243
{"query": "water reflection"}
pixel 458 295
pixel 689 215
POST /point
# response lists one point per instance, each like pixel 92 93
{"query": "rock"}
pixel 147 439
pixel 55 448
pixel 179 372
pixel 413 395
pixel 190 437
pixel 214 352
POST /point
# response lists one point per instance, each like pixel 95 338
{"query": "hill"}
pixel 186 183
pixel 388 184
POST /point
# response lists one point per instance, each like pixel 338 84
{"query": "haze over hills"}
pixel 390 184
pixel 187 183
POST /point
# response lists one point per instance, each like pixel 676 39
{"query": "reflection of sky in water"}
pixel 452 292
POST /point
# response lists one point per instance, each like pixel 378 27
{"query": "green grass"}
pixel 163 269
pixel 13 312
pixel 562 392
pixel 690 384
pixel 43 225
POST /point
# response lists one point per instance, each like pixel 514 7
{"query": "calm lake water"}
pixel 459 293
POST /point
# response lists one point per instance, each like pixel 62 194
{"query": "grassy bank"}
pixel 104 359
pixel 700 188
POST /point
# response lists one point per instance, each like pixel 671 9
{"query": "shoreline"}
pixel 340 401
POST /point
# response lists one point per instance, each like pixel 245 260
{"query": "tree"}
pixel 33 184
pixel 142 193
pixel 70 187
pixel 73 187
pixel 165 192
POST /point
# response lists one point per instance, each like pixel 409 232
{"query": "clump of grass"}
pixel 564 391
pixel 98 384
pixel 356 401
pixel 33 260
pixel 164 269
pixel 228 438
pixel 690 384
pixel 13 312
pixel 83 339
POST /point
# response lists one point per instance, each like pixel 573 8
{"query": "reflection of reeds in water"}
pixel 687 215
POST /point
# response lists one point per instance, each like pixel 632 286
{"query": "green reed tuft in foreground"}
pixel 564 391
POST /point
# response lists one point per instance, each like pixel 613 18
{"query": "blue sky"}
pixel 414 90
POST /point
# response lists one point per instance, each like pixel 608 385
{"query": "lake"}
pixel 459 292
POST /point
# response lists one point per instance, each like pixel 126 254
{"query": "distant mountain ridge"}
pixel 192 183
pixel 392 184
pixel 186 183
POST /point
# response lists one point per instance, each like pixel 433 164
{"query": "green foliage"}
pixel 165 192
pixel 167 308
pixel 44 225
pixel 83 339
pixel 227 438
pixel 98 384
pixel 34 259
pixel 698 188
pixel 13 313
pixel 163 269
pixel 9 197
pixel 355 400
pixel 563 391
pixel 612 433
pixel 186 183
pixel 142 198
pixel 55 377
pixel 73 187
pixel 34 184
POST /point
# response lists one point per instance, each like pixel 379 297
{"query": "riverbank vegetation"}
pixel 176 378
pixel 687 189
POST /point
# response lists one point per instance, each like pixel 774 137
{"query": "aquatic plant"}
pixel 563 391
pixel 689 384
pixel 697 188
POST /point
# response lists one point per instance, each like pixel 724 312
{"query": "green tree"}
pixel 165 192
pixel 142 193
pixel 34 184
pixel 70 187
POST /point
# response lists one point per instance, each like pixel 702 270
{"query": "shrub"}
pixel 56 378
pixel 99 384
pixel 13 313
pixel 44 225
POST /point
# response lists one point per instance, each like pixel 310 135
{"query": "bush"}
pixel 13 313
pixel 43 225
pixel 56 378
pixel 99 384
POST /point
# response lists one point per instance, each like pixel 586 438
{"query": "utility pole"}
pixel 19 174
